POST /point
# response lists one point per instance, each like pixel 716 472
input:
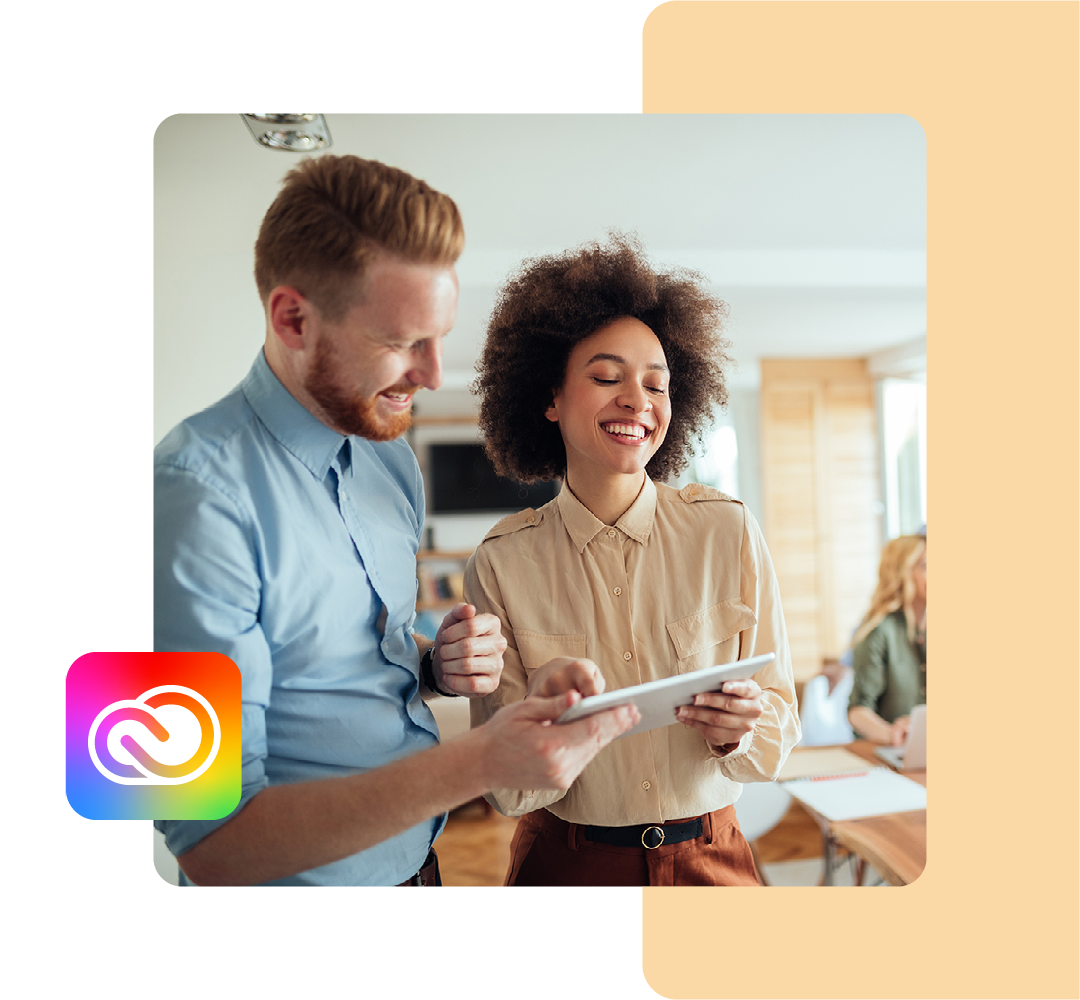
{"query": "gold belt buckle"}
pixel 652 847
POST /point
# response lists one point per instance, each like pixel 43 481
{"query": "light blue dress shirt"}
pixel 283 545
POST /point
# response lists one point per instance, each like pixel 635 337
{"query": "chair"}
pixel 759 808
pixel 823 713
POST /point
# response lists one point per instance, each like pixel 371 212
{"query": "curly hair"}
pixel 552 303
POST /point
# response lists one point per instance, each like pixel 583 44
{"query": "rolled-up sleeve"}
pixel 206 599
pixel 760 754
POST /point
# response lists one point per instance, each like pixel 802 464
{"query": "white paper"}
pixel 876 793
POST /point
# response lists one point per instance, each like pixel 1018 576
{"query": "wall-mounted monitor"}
pixel 462 479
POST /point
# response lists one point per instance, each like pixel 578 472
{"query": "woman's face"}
pixel 918 576
pixel 613 409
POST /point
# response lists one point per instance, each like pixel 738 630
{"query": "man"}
pixel 288 516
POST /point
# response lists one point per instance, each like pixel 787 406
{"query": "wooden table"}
pixel 894 844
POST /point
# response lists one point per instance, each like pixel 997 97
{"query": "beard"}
pixel 346 410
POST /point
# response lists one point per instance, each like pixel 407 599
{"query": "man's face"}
pixel 367 366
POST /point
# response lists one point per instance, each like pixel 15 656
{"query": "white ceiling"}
pixel 813 228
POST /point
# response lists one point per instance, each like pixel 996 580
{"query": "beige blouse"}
pixel 682 581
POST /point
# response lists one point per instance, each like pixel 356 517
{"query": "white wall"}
pixel 811 227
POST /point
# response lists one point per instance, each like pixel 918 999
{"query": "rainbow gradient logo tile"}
pixel 153 735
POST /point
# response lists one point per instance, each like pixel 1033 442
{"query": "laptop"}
pixel 912 755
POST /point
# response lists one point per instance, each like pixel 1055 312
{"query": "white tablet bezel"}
pixel 657 700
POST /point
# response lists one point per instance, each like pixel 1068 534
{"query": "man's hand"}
pixel 566 674
pixel 468 652
pixel 725 718
pixel 526 750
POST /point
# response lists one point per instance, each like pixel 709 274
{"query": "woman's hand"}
pixel 870 726
pixel 468 656
pixel 726 717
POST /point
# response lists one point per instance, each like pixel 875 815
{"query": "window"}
pixel 903 422
pixel 716 461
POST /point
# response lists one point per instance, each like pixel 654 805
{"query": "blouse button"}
pixel 529 520
pixel 611 533
pixel 617 591
pixel 646 785
pixel 628 656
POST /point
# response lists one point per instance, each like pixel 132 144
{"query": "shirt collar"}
pixel 296 430
pixel 583 526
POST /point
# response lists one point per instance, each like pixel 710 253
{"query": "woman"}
pixel 889 653
pixel 600 370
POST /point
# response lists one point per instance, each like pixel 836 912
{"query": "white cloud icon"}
pixel 184 738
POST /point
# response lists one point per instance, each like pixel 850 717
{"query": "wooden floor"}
pixel 474 849
pixel 794 838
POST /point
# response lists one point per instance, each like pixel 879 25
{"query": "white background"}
pixel 89 84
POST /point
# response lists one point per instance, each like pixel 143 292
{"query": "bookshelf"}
pixel 439 575
pixel 439 572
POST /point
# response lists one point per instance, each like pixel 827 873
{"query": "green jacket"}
pixel 890 671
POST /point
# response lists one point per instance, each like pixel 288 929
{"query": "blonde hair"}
pixel 895 587
pixel 334 213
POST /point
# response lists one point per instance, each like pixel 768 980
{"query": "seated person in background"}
pixel 889 654
pixel 600 370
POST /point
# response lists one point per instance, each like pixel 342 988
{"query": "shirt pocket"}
pixel 536 648
pixel 710 637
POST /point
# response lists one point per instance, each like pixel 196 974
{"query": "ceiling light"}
pixel 295 133
pixel 284 119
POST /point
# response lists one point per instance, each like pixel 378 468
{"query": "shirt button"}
pixel 611 534
pixel 646 785
pixel 628 656
pixel 529 520
pixel 617 591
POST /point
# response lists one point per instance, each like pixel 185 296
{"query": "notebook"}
pixel 912 755
pixel 854 796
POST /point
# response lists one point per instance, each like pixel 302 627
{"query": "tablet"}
pixel 657 700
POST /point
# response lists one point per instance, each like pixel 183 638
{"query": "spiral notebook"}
pixel 812 762
pixel 874 792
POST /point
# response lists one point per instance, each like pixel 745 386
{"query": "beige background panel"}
pixel 994 85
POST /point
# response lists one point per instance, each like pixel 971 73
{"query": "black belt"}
pixel 649 835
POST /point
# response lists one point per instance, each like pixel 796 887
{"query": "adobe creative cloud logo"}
pixel 169 735
pixel 153 735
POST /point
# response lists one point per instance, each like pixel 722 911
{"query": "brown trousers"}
pixel 549 851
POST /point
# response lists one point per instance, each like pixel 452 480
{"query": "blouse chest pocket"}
pixel 712 636
pixel 536 648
